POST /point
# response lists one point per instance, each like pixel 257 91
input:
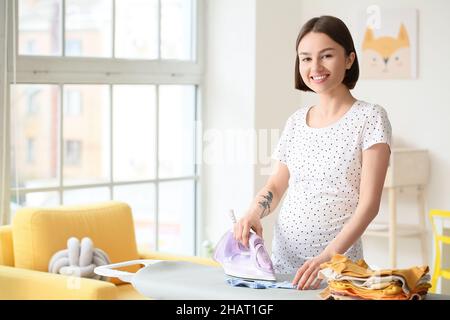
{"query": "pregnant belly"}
pixel 316 216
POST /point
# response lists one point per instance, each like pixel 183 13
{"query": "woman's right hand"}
pixel 265 202
pixel 251 220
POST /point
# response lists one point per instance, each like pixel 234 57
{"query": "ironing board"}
pixel 179 280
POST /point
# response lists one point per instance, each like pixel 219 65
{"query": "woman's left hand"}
pixel 306 276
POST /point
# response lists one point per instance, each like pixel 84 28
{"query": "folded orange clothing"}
pixel 392 292
pixel 336 295
pixel 344 266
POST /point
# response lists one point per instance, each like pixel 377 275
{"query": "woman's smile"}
pixel 320 78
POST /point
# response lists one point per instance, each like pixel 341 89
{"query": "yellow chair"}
pixel 27 245
pixel 439 239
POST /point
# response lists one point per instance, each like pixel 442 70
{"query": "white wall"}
pixel 418 109
pixel 228 112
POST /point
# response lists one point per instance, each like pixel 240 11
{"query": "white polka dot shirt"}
pixel 325 171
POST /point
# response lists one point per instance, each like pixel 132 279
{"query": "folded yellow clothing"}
pixel 349 280
pixel 392 292
pixel 329 294
pixel 343 265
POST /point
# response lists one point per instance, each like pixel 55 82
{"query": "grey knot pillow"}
pixel 79 259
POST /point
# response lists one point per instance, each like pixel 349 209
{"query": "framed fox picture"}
pixel 388 43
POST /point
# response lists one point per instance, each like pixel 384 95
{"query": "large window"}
pixel 104 106
pixel 144 29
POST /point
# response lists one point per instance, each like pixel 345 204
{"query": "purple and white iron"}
pixel 238 261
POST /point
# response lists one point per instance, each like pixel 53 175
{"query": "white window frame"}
pixel 110 71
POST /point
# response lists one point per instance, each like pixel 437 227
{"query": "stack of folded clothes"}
pixel 355 280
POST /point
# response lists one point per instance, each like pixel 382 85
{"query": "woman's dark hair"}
pixel 336 30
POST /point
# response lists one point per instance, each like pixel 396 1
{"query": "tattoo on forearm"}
pixel 265 204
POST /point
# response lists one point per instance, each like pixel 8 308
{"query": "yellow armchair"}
pixel 36 234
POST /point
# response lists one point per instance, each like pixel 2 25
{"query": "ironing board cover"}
pixel 179 280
